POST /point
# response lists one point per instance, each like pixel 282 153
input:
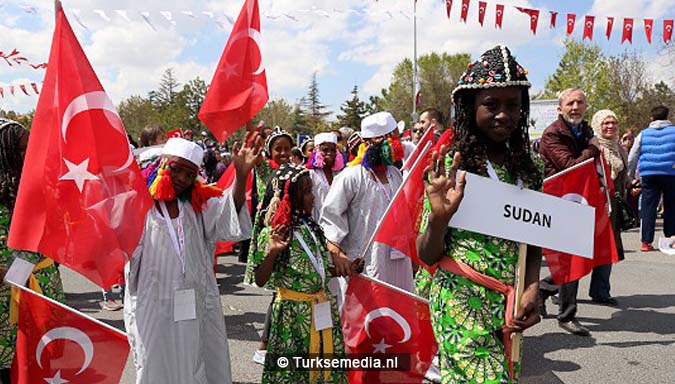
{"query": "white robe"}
pixel 188 351
pixel 351 211
pixel 320 189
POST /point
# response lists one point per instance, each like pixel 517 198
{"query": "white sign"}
pixel 506 211
pixel 19 271
pixel 542 114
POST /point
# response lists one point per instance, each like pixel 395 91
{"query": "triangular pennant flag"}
pixel 448 7
pixel 23 89
pixel 554 17
pixel 11 89
pixel 482 6
pixel 465 10
pixel 35 88
pixel 610 25
pixel 649 25
pixel 534 18
pixel 667 30
pixel 499 15
pixel 627 30
pixel 571 17
pixel 2 92
pixel 588 27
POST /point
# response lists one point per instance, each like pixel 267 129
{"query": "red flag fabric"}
pixel 427 137
pixel 534 17
pixel 175 133
pixel 571 17
pixel 465 10
pixel 378 318
pixel 649 25
pixel 667 30
pixel 57 345
pixel 226 181
pixel 11 89
pixel 610 24
pixel 499 15
pixel 2 92
pixel 448 7
pixel 82 200
pixel 239 86
pixel 554 17
pixel 581 184
pixel 23 89
pixel 627 31
pixel 588 27
pixel 482 6
pixel 35 88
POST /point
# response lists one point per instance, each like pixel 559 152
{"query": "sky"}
pixel 347 42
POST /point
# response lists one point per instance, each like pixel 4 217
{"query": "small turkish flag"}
pixel 175 133
pixel 627 31
pixel 82 199
pixel 534 18
pixel 2 92
pixel 465 10
pixel 610 25
pixel 571 17
pixel 588 27
pixel 581 184
pixel 239 86
pixel 667 30
pixel 377 318
pixel 11 89
pixel 448 7
pixel 649 25
pixel 56 344
pixel 499 15
pixel 482 5
pixel 554 17
pixel 23 89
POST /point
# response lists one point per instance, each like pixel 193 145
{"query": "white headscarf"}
pixel 613 152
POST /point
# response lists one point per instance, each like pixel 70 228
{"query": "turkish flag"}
pixel 56 344
pixel 667 30
pixel 465 10
pixel 610 24
pixel 11 89
pixel 554 17
pixel 534 17
pixel 400 226
pixel 581 184
pixel 23 89
pixel 482 5
pixel 175 133
pixel 35 88
pixel 627 30
pixel 378 318
pixel 499 15
pixel 588 27
pixel 82 200
pixel 227 181
pixel 239 86
pixel 571 17
pixel 649 25
pixel 448 7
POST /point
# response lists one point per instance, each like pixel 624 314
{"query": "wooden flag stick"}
pixel 521 268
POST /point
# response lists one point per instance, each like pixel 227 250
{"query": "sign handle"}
pixel 521 267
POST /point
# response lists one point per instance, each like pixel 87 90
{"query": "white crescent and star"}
pixel 629 27
pixel 56 379
pixel 499 13
pixel 392 314
pixel 254 35
pixel 589 24
pixel 66 333
pixel 669 28
pixel 570 21
pixel 576 198
pixel 79 173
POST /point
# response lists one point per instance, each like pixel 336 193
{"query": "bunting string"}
pixel 18 89
pixel 15 58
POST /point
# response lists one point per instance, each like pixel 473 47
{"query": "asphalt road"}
pixel 634 343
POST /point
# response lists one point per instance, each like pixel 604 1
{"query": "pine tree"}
pixel 299 117
pixel 316 112
pixel 353 111
pixel 168 90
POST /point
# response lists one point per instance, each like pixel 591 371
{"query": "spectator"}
pixel 432 117
pixel 153 135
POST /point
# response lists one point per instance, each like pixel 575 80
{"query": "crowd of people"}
pixel 313 208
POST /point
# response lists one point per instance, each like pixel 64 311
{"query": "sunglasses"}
pixel 417 130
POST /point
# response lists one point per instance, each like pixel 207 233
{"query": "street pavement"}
pixel 634 343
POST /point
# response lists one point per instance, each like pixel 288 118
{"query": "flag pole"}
pixel 604 177
pixel 414 98
pixel 521 268
pixel 395 288
pixel 67 308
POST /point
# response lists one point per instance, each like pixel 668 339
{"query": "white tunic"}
pixel 320 189
pixel 352 209
pixel 188 351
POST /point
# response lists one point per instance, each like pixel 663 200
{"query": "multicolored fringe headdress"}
pixel 280 210
pixel 316 160
pixel 277 132
pixel 390 151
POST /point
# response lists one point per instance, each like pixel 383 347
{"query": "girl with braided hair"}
pixel 491 139
pixel 292 258
pixel 13 143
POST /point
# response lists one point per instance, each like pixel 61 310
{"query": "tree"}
pixel 438 74
pixel 653 96
pixel 316 112
pixel 299 117
pixel 136 113
pixel 191 98
pixel 277 112
pixel 168 90
pixel 583 66
pixel 353 111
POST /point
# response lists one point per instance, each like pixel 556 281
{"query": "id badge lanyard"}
pixel 178 239
pixel 317 260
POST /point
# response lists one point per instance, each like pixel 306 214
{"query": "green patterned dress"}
pixel 467 318
pixel 290 325
pixel 49 279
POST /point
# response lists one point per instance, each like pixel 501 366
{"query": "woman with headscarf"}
pixel 606 128
pixel 13 144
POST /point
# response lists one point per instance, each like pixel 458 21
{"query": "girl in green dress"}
pixel 291 257
pixel 491 139
pixel 13 143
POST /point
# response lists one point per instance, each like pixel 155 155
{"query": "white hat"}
pixel 325 137
pixel 401 126
pixel 376 125
pixel 184 149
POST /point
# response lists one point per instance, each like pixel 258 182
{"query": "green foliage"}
pixel 353 110
pixel 316 112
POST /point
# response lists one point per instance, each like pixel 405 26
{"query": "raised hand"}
pixel 444 192
pixel 278 241
pixel 245 158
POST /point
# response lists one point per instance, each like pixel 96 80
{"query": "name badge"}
pixel 184 305
pixel 19 271
pixel 322 316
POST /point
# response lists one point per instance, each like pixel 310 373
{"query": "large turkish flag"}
pixel 58 345
pixel 82 200
pixel 239 86
pixel 377 318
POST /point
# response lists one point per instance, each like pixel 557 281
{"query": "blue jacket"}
pixel 657 150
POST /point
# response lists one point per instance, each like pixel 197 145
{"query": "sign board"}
pixel 542 114
pixel 506 211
